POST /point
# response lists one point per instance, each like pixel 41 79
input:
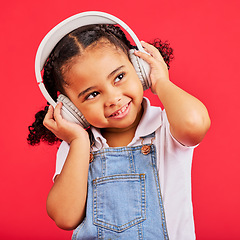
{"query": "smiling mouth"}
pixel 121 112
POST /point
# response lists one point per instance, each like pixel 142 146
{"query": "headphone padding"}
pixel 142 68
pixel 73 111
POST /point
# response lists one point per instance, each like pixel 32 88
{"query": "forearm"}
pixel 188 117
pixel 67 198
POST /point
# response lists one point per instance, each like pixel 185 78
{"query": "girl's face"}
pixel 104 86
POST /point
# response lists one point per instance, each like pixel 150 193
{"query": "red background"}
pixel 205 36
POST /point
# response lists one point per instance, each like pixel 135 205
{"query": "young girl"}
pixel 129 175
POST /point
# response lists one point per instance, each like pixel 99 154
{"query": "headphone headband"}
pixel 62 29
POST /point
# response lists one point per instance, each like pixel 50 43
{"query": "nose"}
pixel 113 97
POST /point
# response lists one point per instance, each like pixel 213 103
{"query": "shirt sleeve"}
pixel 61 157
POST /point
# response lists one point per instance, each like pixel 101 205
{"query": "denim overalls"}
pixel 124 199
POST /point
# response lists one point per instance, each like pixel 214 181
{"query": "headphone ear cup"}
pixel 71 113
pixel 142 68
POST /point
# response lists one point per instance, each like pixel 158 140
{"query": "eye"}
pixel 91 95
pixel 119 78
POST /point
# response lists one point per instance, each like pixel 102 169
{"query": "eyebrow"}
pixel 85 91
pixel 91 88
pixel 114 71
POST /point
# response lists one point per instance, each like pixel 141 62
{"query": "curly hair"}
pixel 62 57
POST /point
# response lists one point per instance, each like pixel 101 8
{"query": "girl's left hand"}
pixel 159 69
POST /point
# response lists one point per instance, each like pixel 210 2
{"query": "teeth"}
pixel 123 109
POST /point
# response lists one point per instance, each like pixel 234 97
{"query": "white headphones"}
pixel 69 110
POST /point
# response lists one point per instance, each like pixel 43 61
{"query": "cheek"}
pixel 135 79
pixel 92 113
pixel 135 86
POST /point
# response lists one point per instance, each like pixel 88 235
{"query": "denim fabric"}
pixel 124 198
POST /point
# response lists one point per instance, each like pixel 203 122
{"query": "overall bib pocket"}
pixel 119 201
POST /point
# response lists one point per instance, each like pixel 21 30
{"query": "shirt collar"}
pixel 149 123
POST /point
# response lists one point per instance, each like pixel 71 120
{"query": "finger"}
pixel 49 114
pixel 57 112
pixel 49 121
pixel 153 51
pixel 146 57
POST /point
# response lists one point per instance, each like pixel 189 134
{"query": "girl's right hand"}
pixel 61 128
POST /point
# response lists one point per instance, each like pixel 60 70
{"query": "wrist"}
pixel 159 85
pixel 82 139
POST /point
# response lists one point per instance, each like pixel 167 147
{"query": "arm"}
pixel 188 117
pixel 66 199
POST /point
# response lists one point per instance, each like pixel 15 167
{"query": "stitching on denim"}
pixel 94 205
pixel 115 149
pixel 118 229
pixel 136 177
pixel 143 198
pixel 99 232
pixel 140 233
pixel 77 230
pixel 156 177
pixel 103 164
pixel 131 162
